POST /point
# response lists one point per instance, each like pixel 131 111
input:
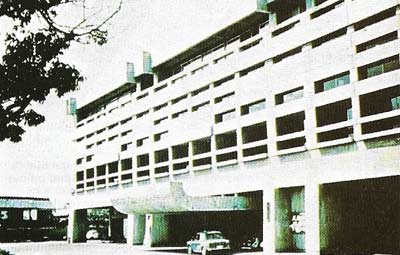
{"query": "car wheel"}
pixel 203 251
pixel 190 251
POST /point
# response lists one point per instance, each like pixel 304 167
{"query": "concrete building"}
pixel 283 125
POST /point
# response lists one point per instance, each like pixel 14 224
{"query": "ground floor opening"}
pixel 360 217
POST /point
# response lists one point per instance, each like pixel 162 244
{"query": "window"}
pixel 89 158
pixel 254 133
pixel 100 142
pixel 223 80
pixel 395 102
pixel 3 215
pixel 178 99
pixel 327 9
pixel 224 97
pixel 289 95
pixel 113 167
pixel 125 146
pixel 140 115
pixel 79 161
pixel 161 170
pixel 379 67
pixel 284 29
pixel 101 170
pixel 200 106
pixel 160 88
pixel 156 122
pixel 79 176
pixel 112 137
pixel 89 146
pixel 200 90
pixel 159 107
pixel 26 214
pixel 251 69
pixel 179 114
pixel 253 107
pixel 199 69
pixel 90 135
pixel 329 37
pixel 180 151
pixel 142 96
pixel 332 82
pixel 89 173
pixel 100 131
pixel 290 123
pixel 159 136
pixel 250 45
pixel 126 120
pixel 225 116
pixel 377 41
pixel 375 19
pixel 227 156
pixel 112 126
pixel 143 160
pixel 287 54
pixel 217 60
pixel 126 132
pixel 333 113
pixel 201 146
pixel 126 164
pixel 161 156
pixel 226 140
pixel 142 141
pixel 290 10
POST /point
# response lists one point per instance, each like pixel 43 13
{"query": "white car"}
pixel 92 234
pixel 208 241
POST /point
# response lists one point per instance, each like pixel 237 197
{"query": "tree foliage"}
pixel 31 66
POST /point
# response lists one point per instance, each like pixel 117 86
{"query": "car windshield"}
pixel 214 236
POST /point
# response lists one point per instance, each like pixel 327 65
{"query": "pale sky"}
pixel 43 163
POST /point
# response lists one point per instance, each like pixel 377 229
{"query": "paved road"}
pixel 90 248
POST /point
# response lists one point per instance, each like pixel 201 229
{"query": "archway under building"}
pixel 360 217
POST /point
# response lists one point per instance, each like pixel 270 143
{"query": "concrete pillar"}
pixel 116 227
pixel 312 218
pixel 77 226
pixel 156 230
pixel 268 220
pixel 135 229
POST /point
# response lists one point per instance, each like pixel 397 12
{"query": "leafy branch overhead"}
pixel 31 67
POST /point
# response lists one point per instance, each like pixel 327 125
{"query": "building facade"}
pixel 284 125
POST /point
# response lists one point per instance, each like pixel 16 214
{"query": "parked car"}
pixel 207 242
pixel 92 234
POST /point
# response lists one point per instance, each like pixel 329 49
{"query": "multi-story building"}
pixel 283 125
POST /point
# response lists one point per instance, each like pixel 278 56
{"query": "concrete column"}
pixel 312 217
pixel 156 230
pixel 269 220
pixel 271 123
pixel 135 229
pixel 116 222
pixel 77 226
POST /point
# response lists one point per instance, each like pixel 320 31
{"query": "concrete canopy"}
pixel 171 198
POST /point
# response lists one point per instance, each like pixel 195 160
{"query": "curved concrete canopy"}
pixel 171 198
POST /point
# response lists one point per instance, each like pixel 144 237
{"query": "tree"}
pixel 31 66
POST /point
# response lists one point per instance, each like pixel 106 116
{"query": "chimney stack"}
pixel 147 65
pixel 130 72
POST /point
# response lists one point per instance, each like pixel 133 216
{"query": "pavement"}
pixel 90 248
